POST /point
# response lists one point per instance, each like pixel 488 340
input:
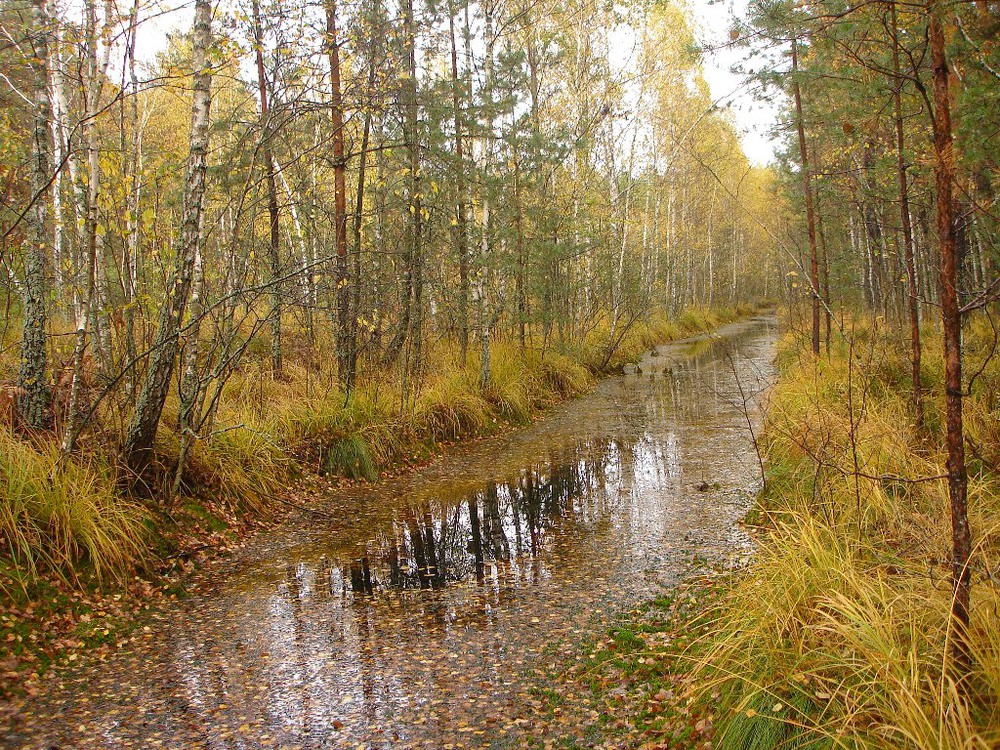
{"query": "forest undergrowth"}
pixel 81 555
pixel 837 635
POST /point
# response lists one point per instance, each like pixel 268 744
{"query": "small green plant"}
pixel 349 456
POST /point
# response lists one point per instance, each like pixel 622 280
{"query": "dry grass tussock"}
pixel 836 636
pixel 52 520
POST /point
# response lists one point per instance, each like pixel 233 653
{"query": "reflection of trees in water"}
pixel 431 544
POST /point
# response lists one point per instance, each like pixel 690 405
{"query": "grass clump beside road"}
pixel 837 635
pixel 843 619
pixel 51 519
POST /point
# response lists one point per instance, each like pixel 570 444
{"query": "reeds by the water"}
pixel 837 636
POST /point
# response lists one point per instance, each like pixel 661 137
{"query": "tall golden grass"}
pixel 837 635
pixel 64 520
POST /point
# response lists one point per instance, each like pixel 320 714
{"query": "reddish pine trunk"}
pixel 344 358
pixel 944 172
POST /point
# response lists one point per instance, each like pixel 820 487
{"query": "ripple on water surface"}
pixel 413 613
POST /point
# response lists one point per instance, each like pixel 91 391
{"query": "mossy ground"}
pixel 634 687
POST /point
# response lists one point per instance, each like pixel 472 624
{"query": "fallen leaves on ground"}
pixel 633 688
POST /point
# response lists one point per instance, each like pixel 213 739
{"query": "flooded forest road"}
pixel 415 612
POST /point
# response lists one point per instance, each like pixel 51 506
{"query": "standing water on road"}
pixel 413 613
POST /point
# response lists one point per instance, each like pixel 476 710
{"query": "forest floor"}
pixel 843 584
pixel 634 687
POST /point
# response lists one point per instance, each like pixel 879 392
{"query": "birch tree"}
pixel 138 445
pixel 32 375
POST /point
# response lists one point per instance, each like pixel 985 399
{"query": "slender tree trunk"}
pixel 32 382
pixel 59 140
pixel 951 320
pixel 411 322
pixel 485 356
pixel 344 358
pixel 360 206
pixel 274 227
pixel 824 263
pixel 907 229
pixel 870 216
pixel 709 231
pixel 412 137
pixel 461 217
pixel 100 321
pixel 141 433
pixel 807 194
pixel 66 253
pixel 522 260
pixel 306 280
pixel 133 174
pixel 187 418
pixel 86 313
pixel 825 266
pixel 482 304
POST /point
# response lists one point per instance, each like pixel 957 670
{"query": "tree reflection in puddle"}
pixel 498 532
